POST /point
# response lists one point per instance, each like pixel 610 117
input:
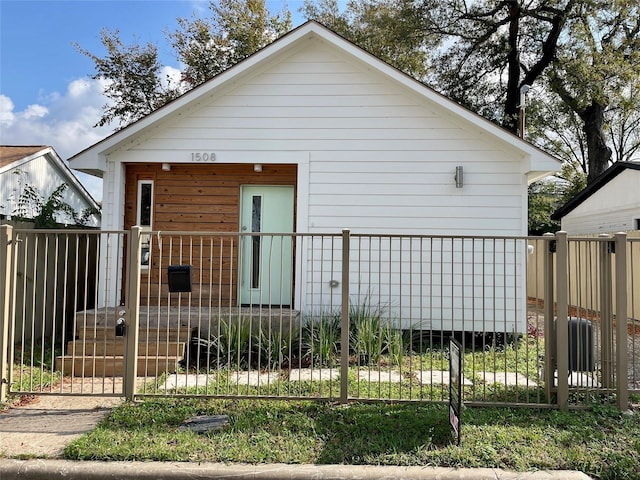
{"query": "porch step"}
pixel 153 335
pixel 109 366
pixel 97 351
pixel 111 347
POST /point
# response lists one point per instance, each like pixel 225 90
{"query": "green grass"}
pixel 33 367
pixel 600 441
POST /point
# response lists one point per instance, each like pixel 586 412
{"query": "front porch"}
pixel 98 346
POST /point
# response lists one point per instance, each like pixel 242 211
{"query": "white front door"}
pixel 266 261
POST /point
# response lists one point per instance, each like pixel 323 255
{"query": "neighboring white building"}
pixel 610 204
pixel 349 141
pixel 42 168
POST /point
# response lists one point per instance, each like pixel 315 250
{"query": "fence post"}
pixel 562 319
pixel 549 333
pixel 344 319
pixel 132 312
pixel 606 323
pixel 622 380
pixel 6 257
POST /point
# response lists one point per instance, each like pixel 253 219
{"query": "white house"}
pixel 327 136
pixel 42 168
pixel 610 204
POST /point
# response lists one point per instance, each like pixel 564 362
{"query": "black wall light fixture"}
pixel 459 177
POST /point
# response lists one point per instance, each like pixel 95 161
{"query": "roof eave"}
pixel 71 178
pixel 609 174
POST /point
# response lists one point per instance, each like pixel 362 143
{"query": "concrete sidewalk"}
pixel 63 469
pixel 45 425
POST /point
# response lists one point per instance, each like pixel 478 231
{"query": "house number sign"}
pixel 203 157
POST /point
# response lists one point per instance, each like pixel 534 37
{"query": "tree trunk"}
pixel 598 153
pixel 511 107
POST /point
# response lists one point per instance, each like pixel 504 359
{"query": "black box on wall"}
pixel 179 278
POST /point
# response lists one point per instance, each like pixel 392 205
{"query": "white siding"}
pixel 376 158
pixel 434 283
pixel 380 158
pixel 613 208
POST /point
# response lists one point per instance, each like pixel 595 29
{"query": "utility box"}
pixel 179 278
pixel 580 345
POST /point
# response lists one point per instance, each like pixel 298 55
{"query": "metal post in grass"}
pixel 132 312
pixel 606 305
pixel 6 255
pixel 344 319
pixel 562 319
pixel 549 333
pixel 622 379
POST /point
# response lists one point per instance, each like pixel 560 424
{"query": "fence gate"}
pixel 53 339
pixel 586 348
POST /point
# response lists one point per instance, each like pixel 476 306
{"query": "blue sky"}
pixel 46 95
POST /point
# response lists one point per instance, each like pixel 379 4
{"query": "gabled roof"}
pixel 13 156
pixel 91 160
pixel 609 174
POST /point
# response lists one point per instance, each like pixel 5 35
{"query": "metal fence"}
pixel 325 316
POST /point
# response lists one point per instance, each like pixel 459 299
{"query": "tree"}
pixel 491 48
pixel 544 199
pixel 594 69
pixel 133 73
pixel 237 29
pixel 392 30
pixel 623 118
pixel 546 196
pixel 134 83
pixel 556 128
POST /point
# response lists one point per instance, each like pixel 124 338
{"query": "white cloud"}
pixel 65 122
pixel 6 111
pixel 35 111
pixel 171 75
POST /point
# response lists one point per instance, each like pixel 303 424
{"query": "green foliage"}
pixel 241 343
pixel 391 30
pixel 236 29
pixel 321 340
pixel 134 77
pixel 366 329
pixel 33 366
pixel 554 127
pixel 48 212
pixel 233 345
pixel 595 68
pixel 134 81
pixel 373 337
pixel 275 348
pixel 546 196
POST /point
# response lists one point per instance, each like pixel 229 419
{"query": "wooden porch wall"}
pixel 197 198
